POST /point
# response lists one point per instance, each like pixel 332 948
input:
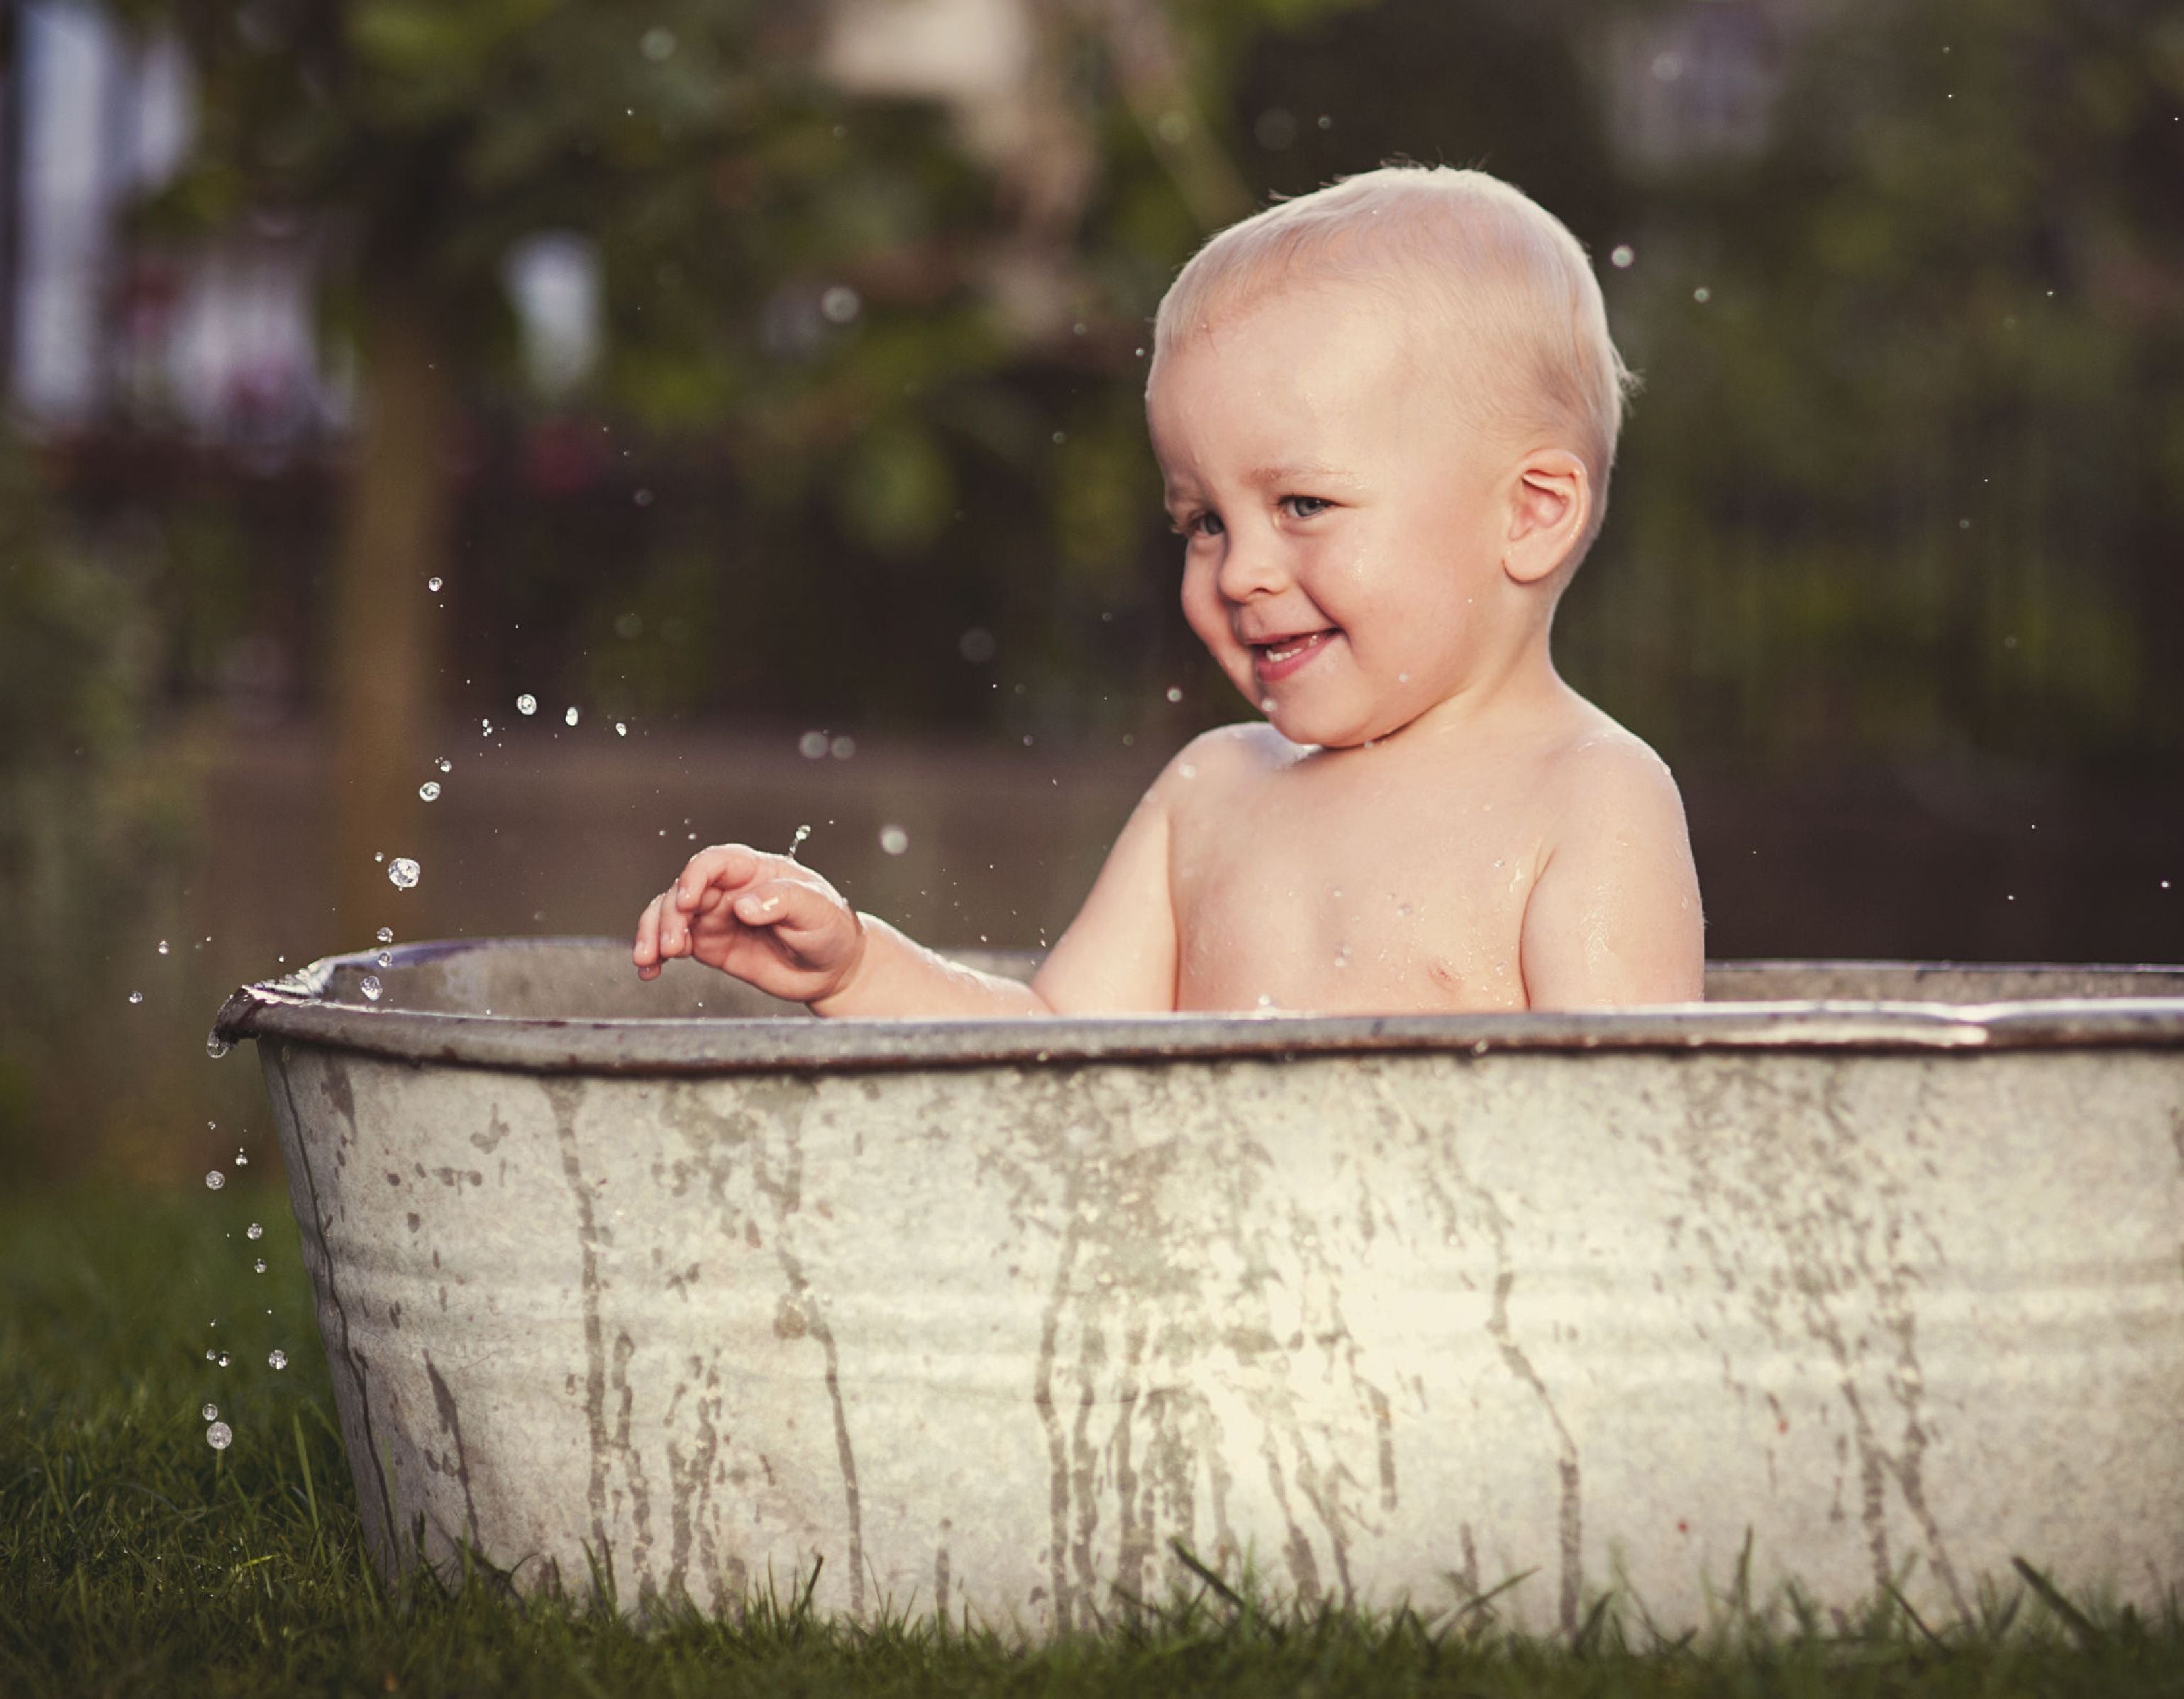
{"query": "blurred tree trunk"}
pixel 395 536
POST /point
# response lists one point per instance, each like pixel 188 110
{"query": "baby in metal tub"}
pixel 1384 415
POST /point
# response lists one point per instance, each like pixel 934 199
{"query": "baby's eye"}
pixel 1197 525
pixel 1304 507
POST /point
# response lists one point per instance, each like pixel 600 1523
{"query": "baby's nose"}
pixel 1251 566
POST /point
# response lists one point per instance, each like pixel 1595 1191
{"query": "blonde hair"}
pixel 1490 263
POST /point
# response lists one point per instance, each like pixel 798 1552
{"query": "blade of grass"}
pixel 2089 1635
pixel 1918 1622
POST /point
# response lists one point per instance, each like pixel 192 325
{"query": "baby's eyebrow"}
pixel 1302 472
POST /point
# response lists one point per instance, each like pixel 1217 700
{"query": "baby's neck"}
pixel 1523 692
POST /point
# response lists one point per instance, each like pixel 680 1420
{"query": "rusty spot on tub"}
pixel 788 1320
pixel 750 1235
pixel 393 1179
pixel 490 1140
pixel 415 1220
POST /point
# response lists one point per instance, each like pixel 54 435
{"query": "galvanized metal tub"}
pixel 1876 1268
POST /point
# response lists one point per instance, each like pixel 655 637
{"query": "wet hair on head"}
pixel 1502 274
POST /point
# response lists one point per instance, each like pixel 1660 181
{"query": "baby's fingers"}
pixel 645 952
pixel 799 913
pixel 725 865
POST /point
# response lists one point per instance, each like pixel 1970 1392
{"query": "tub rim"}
pixel 297 1007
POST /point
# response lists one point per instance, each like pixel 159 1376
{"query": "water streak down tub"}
pixel 1880 1265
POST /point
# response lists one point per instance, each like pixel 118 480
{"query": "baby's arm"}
pixel 1614 917
pixel 780 926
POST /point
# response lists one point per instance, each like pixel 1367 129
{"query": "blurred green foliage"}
pixel 87 823
pixel 1907 475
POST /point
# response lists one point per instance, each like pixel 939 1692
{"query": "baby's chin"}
pixel 1334 731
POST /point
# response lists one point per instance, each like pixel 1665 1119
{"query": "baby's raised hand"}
pixel 770 922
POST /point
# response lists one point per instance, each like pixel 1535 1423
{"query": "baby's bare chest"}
pixel 1311 898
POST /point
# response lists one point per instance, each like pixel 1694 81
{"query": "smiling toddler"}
pixel 1384 415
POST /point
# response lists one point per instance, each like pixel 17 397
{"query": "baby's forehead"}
pixel 1437 320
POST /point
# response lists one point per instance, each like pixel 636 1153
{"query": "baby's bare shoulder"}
pixel 1233 754
pixel 1220 772
pixel 1604 782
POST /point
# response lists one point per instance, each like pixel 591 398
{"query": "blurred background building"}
pixel 754 386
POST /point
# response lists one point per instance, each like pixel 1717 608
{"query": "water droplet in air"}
pixel 370 988
pixel 802 833
pixel 485 727
pixel 242 1159
pixel 215 1180
pixel 279 1359
pixel 376 856
pixel 840 304
pixel 212 1356
pixel 222 1361
pixel 216 1046
pixel 894 839
pixel 212 1412
pixel 385 934
pixel 256 1230
pixel 1621 256
pixel 1174 694
pixel 163 946
pixel 259 1265
pixel 620 730
pixel 402 872
pixel 386 958
pixel 813 746
pixel 434 584
pixel 429 791
pixel 1702 294
pixel 570 718
pixel 843 748
pixel 526 703
pixel 136 996
pixel 220 1436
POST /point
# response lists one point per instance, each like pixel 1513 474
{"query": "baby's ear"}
pixel 1551 500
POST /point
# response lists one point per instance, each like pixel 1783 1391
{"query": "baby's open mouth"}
pixel 1276 655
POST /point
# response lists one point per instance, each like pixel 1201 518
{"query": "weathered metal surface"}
pixel 1386 1310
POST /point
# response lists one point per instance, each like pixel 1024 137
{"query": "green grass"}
pixel 135 1559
